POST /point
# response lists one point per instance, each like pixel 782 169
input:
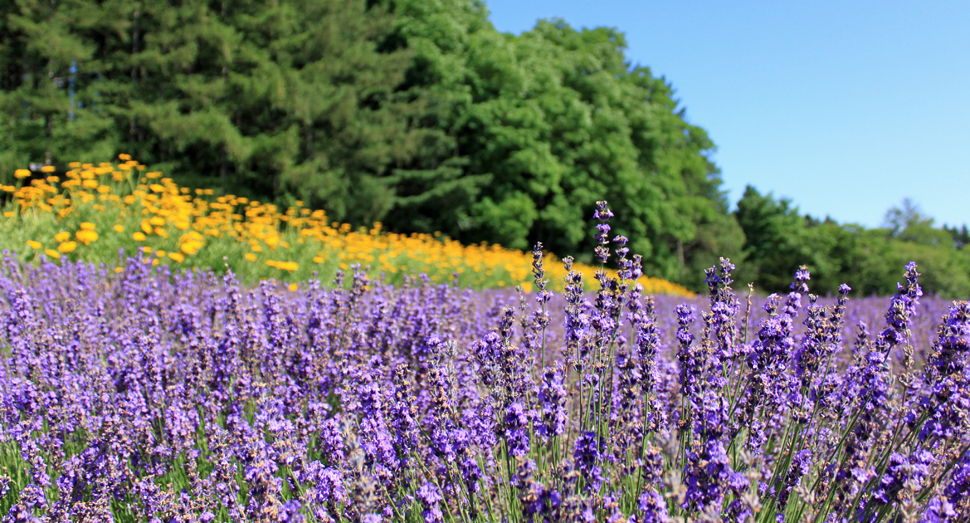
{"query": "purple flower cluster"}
pixel 186 397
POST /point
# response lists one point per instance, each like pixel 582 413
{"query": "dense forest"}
pixel 421 115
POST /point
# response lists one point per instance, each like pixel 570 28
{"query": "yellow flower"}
pixel 9 214
pixel 67 247
pixel 86 236
pixel 62 236
pixel 21 173
pixel 317 259
pixel 139 236
pixel 119 269
pixel 294 287
pixel 157 221
pixel 47 169
pixel 89 184
pixel 124 157
pixel 146 227
pixel 177 256
pixel 160 253
pixel 146 249
pixel 119 228
pixel 87 226
pixel 51 253
pixel 250 256
pixel 34 245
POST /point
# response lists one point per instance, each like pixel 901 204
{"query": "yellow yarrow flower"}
pixel 119 228
pixel 51 253
pixel 86 236
pixel 67 247
pixel 287 266
pixel 35 245
pixel 177 256
pixel 62 236
pixel 47 169
pixel 87 226
pixel 21 173
pixel 294 287
pixel 139 236
pixel 250 256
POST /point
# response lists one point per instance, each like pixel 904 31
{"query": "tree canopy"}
pixel 779 240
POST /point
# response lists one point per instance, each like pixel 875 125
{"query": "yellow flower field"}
pixel 98 210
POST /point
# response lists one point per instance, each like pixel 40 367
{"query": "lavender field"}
pixel 154 396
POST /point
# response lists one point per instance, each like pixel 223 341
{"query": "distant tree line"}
pixel 778 238
pixel 416 113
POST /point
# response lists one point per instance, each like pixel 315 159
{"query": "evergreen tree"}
pixel 46 98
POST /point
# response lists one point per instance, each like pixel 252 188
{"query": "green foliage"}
pixel 779 240
pixel 556 119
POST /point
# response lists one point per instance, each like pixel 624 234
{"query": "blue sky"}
pixel 844 107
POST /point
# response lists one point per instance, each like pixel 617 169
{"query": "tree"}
pixel 960 235
pixel 908 223
pixel 776 239
pixel 543 125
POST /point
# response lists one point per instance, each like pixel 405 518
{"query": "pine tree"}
pixel 44 91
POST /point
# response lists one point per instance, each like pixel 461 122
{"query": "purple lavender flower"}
pixel 516 429
pixel 587 454
pixel 429 496
pixel 901 471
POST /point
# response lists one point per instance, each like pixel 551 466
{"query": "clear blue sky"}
pixel 844 107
